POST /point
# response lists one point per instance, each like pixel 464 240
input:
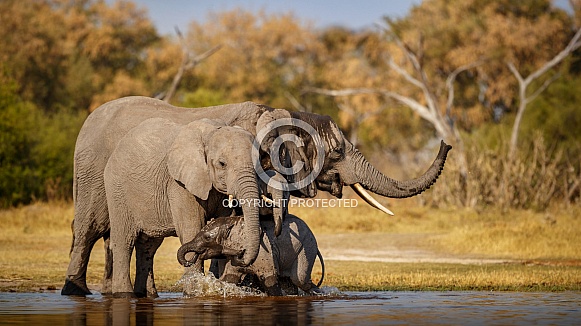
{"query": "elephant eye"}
pixel 222 163
pixel 337 153
pixel 210 235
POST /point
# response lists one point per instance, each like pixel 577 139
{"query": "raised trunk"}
pixel 357 169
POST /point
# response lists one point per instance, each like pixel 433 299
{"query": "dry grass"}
pixel 366 276
pixel 515 234
pixel 35 242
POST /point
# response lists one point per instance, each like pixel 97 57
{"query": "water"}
pixel 361 308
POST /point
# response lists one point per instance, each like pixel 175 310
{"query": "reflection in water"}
pixel 374 308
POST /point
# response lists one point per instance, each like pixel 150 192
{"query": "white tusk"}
pixel 230 201
pixel 370 200
pixel 268 200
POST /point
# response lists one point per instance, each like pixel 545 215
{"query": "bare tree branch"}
pixel 293 100
pixel 424 83
pixel 543 87
pixel 402 72
pixel 524 83
pixel 450 83
pixel 573 45
pixel 420 109
pixel 187 63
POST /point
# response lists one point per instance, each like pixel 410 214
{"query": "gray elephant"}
pixel 290 255
pixel 99 137
pixel 342 165
pixel 164 179
pixel 345 165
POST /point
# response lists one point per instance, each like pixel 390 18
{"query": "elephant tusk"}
pixel 358 188
pixel 268 200
pixel 230 201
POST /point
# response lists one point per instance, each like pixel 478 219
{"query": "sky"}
pixel 354 14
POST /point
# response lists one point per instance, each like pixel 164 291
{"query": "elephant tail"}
pixel 322 268
pixel 72 243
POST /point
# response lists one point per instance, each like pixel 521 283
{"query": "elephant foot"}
pixel 149 294
pixel 124 295
pixel 152 294
pixel 75 288
pixel 272 287
pixel 106 288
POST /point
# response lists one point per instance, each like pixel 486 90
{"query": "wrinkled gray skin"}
pixel 99 137
pixel 163 179
pixel 292 254
pixel 345 165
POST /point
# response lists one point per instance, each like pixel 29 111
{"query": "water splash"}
pixel 195 284
pixel 330 291
pixel 199 285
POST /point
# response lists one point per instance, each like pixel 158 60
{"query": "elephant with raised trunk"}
pixel 164 179
pixel 345 165
pixel 342 165
pixel 290 255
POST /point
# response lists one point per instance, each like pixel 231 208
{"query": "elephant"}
pixel 345 165
pixel 290 255
pixel 164 179
pixel 342 165
pixel 97 140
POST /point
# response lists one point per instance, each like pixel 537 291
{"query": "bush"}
pixel 36 149
pixel 533 179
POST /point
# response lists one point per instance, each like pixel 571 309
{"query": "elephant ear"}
pixel 186 161
pixel 266 118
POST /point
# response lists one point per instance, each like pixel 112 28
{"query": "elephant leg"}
pixel 288 286
pixel 76 280
pixel 145 248
pixel 217 267
pixel 189 216
pixel 271 285
pixel 123 236
pixel 108 274
pixel 91 220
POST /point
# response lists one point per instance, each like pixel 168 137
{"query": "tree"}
pixel 65 53
pixel 525 83
pixel 263 55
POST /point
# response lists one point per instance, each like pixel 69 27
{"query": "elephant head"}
pixel 206 154
pixel 345 165
pixel 282 150
pixel 211 242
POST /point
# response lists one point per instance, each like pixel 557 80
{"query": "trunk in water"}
pixel 248 193
pixel 184 249
pixel 358 169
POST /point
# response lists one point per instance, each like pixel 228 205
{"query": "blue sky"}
pixel 355 14
pixel 323 13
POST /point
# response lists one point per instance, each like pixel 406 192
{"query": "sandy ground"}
pixel 391 248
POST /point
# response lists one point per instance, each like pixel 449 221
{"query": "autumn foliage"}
pixel 60 59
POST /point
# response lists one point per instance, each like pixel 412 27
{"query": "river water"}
pixel 348 308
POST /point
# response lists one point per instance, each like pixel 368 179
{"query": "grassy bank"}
pixel 35 242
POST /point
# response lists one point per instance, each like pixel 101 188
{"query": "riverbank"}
pixel 419 249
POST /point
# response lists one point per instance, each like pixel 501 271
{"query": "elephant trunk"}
pixel 184 249
pixel 247 194
pixel 359 170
